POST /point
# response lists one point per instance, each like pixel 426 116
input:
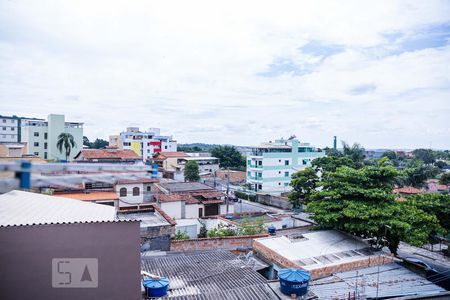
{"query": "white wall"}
pixel 130 200
pixel 192 211
pixel 223 208
pixel 173 209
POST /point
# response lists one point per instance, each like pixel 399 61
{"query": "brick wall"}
pixel 271 200
pixel 324 271
pixel 222 243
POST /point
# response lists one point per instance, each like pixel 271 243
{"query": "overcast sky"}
pixel 238 72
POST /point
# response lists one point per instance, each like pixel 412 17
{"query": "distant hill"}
pixel 202 147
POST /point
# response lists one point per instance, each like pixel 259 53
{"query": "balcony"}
pixel 254 178
pixel 259 167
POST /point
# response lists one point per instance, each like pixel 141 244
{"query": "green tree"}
pixel 361 202
pixel 416 173
pixel 65 141
pixel 86 142
pixel 228 157
pixel 191 172
pixel 391 155
pixel 331 163
pixel 99 144
pixel 434 204
pixel 303 184
pixel 445 178
pixel 355 152
pixel 425 155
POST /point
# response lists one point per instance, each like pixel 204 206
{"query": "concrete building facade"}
pixel 270 165
pixel 144 143
pixel 41 136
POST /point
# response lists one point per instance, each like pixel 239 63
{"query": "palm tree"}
pixel 66 141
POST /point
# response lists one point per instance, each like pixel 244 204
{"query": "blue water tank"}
pixel 271 229
pixel 294 281
pixel 156 287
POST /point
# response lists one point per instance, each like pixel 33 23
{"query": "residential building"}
pixel 12 149
pixel 109 155
pixel 99 197
pixel 41 136
pixel 10 128
pixel 144 143
pixel 185 200
pixel 199 275
pixel 387 281
pixel 39 233
pixel 270 165
pixel 172 164
pixel 321 253
pixel 156 227
pixel 135 192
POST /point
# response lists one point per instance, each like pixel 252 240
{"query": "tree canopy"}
pixel 229 157
pixel 65 141
pixel 303 184
pixel 361 202
pixel 191 171
pixel 97 144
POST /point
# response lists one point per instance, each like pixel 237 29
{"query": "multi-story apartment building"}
pixel 270 165
pixel 41 136
pixel 10 128
pixel 146 143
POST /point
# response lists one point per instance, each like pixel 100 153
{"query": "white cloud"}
pixel 194 69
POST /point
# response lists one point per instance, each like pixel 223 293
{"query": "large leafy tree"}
pixel 191 171
pixel 425 155
pixel 416 173
pixel 65 141
pixel 361 202
pixel 445 178
pixel 434 204
pixel 355 152
pixel 228 157
pixel 303 184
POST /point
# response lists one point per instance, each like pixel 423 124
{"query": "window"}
pixel 286 184
pixel 279 160
pixel 260 162
pixel 286 174
pixel 36 144
pixel 259 186
pixel 12 128
pixel 286 163
pixel 200 212
pixel 279 172
pixel 165 147
pixel 45 135
pixel 4 120
pixel 136 191
pixel 36 153
pixel 45 145
pixel 36 134
pixel 149 188
pixel 4 128
pixel 123 192
pixel 126 144
pixel 45 155
pixel 279 183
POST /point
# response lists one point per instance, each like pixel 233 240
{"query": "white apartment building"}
pixel 41 136
pixel 270 165
pixel 9 129
pixel 144 143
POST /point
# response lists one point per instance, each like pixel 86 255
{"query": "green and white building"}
pixel 41 136
pixel 270 165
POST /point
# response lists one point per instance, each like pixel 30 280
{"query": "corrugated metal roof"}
pixel 394 281
pixel 208 275
pixel 24 208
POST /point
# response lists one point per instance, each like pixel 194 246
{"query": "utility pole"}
pixel 228 188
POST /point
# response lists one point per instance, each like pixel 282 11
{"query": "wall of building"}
pixel 272 200
pixel 130 200
pixel 223 243
pixel 26 263
pixel 173 209
pixel 272 256
pixel 9 130
pixel 192 211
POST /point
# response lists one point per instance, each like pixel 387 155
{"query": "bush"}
pixel 245 196
pixel 221 230
pixel 181 236
pixel 203 232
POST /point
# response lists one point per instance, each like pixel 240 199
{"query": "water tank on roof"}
pixel 294 281
pixel 156 287
pixel 271 229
